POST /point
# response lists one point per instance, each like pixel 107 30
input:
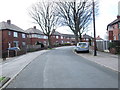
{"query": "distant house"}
pixel 86 37
pixel 114 29
pixel 35 36
pixel 68 38
pixel 56 38
pixel 98 38
pixel 11 36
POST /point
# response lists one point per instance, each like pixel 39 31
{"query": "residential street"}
pixel 62 68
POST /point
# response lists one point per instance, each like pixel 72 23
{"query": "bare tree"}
pixel 75 14
pixel 44 14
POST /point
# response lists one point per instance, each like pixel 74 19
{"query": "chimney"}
pixel 119 8
pixel 9 21
pixel 118 16
pixel 34 27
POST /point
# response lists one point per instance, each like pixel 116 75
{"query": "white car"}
pixel 82 46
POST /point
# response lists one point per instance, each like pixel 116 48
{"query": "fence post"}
pixel 103 45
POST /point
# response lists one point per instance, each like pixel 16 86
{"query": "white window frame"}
pixel 23 35
pixel 57 37
pixel 9 33
pixel 118 25
pixel 15 34
pixel 16 43
pixel 23 43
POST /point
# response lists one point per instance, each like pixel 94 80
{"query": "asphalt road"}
pixel 61 68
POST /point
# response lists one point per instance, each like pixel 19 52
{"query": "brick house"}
pixel 11 36
pixel 114 29
pixel 68 38
pixel 35 35
pixel 56 38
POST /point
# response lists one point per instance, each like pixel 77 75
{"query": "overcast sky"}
pixel 16 11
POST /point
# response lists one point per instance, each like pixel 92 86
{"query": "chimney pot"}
pixel 9 21
pixel 118 17
pixel 34 27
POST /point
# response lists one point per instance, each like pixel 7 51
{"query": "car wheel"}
pixel 88 51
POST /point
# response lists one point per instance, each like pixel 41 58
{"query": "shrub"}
pixel 114 46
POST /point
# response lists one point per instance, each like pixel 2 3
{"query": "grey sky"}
pixel 16 11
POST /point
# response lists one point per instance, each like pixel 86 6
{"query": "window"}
pixel 16 43
pixel 23 36
pixel 57 37
pixel 44 37
pixel 23 43
pixel 9 32
pixel 118 25
pixel 33 35
pixel 114 37
pixel 118 36
pixel 15 34
pixel 61 37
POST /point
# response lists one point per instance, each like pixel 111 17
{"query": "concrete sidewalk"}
pixel 11 67
pixel 105 59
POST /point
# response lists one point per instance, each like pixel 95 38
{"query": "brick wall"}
pixel 110 35
pixel 10 39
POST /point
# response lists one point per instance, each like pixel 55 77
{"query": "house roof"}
pixel 68 35
pixel 33 30
pixel 9 26
pixel 99 38
pixel 114 22
pixel 56 33
pixel 87 36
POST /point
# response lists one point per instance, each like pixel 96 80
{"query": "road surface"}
pixel 62 68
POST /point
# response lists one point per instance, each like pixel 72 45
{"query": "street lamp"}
pixel 95 53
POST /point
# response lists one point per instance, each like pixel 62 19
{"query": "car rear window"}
pixel 82 44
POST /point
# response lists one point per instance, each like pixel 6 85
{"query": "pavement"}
pixel 103 58
pixel 11 67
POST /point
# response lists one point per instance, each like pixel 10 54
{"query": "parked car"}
pixel 82 47
pixel 14 48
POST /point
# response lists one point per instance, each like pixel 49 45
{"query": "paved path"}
pixel 62 68
pixel 13 66
pixel 105 59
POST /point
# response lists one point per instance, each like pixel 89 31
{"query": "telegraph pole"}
pixel 95 53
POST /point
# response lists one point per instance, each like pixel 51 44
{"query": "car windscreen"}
pixel 82 44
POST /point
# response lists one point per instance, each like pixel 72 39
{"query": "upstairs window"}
pixel 9 33
pixel 57 37
pixel 61 37
pixel 118 36
pixel 118 25
pixel 45 37
pixel 23 36
pixel 15 34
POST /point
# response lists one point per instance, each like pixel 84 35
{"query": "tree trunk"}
pixel 80 37
pixel 49 41
pixel 76 38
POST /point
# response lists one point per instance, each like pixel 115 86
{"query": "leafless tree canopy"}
pixel 76 14
pixel 44 14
